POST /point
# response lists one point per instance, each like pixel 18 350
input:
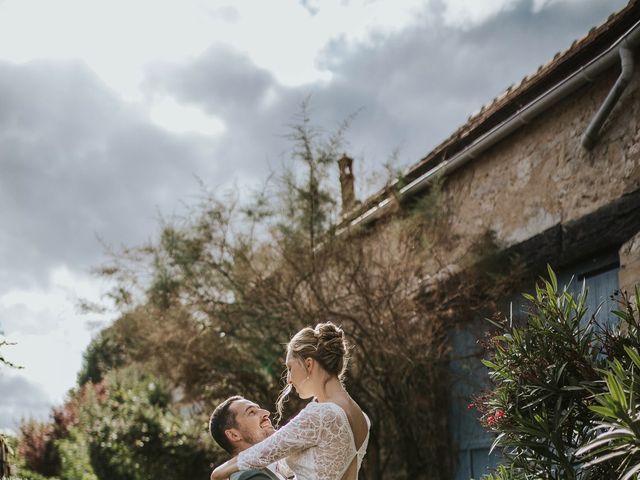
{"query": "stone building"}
pixel 552 168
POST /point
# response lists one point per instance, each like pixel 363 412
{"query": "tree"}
pixel 103 354
pixel 211 303
pixel 5 451
pixel 4 361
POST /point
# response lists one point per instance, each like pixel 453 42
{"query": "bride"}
pixel 328 438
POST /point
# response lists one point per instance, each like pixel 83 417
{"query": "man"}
pixel 236 424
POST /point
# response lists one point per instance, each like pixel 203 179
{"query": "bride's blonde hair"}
pixel 326 345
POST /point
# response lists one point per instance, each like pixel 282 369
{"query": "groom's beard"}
pixel 256 436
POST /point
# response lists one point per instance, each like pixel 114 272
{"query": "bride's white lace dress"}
pixel 316 444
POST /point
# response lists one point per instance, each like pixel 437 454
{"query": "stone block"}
pixel 629 275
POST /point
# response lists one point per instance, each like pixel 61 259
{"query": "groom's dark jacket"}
pixel 262 474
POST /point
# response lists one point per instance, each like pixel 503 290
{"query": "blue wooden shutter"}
pixel 468 378
pixel 600 277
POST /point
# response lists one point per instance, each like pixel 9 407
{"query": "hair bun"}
pixel 330 338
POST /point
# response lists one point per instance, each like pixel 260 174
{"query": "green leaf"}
pixel 552 276
pixel 490 364
pixel 603 411
pixel 630 473
pixel 633 355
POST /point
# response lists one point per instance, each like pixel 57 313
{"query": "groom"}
pixel 236 424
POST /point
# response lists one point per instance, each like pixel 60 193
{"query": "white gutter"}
pixel 585 74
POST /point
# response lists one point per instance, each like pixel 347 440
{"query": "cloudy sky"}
pixel 110 111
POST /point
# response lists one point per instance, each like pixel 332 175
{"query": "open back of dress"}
pixel 360 437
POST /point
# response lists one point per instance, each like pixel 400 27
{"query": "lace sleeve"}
pixel 283 469
pixel 299 434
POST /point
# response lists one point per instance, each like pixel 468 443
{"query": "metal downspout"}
pixel 591 134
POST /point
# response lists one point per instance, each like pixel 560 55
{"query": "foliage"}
pixel 207 307
pixel 104 353
pixel 26 474
pixel 210 304
pixel 4 361
pixel 563 402
pixel 5 453
pixel 36 448
pixel 506 473
pixel 124 427
pixel 39 442
pixel 135 433
pixel 75 463
pixel 308 203
pixel 618 429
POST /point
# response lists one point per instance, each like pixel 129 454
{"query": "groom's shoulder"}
pixel 253 475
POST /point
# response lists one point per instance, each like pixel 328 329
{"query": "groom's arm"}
pixel 254 475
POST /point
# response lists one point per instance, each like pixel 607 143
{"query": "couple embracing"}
pixel 327 440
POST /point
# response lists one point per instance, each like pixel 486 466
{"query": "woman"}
pixel 328 438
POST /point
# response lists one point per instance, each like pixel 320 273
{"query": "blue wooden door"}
pixel 599 275
pixel 468 378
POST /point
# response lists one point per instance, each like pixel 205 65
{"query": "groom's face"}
pixel 252 422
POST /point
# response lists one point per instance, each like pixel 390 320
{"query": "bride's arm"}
pixel 225 470
pixel 300 433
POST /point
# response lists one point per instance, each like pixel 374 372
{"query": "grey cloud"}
pixel 253 106
pixel 21 399
pixel 311 6
pixel 76 164
pixel 227 13
pixel 430 77
pixel 221 80
pixel 413 88
pixel 20 319
pixel 79 163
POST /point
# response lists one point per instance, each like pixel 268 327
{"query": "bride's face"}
pixel 298 377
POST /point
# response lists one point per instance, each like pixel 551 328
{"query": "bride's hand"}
pixel 215 475
pixel 223 471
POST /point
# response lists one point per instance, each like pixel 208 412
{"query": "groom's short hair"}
pixel 222 419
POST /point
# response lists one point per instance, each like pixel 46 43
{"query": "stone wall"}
pixel 629 275
pixel 541 177
pixel 543 194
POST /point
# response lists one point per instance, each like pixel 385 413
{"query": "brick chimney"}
pixel 345 164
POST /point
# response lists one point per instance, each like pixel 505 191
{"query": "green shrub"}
pixel 617 434
pixel 36 448
pixel 557 379
pixel 135 433
pixel 74 457
pixel 26 474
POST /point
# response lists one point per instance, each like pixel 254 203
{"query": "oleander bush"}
pixel 565 389
pixel 617 434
